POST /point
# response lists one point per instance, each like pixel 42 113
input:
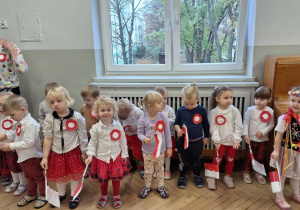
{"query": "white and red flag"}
pixel 186 136
pixel 258 167
pixel 51 195
pixel 211 170
pixel 159 127
pixel 79 188
pixel 275 182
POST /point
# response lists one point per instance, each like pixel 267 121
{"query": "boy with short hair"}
pixel 129 115
pixel 28 147
pixel 44 107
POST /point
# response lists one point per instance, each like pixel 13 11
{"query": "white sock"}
pixel 167 163
pixel 23 180
pixel 15 177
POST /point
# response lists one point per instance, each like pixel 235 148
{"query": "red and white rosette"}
pixel 158 142
pixel 71 125
pixel 7 124
pixel 220 120
pixel 115 135
pixel 197 118
pixel 186 136
pixel 265 116
pixel 160 126
pixel 93 114
pixel 2 57
pixel 127 128
pixel 18 130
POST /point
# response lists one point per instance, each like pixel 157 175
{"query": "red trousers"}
pixel 136 146
pixel 229 157
pixel 33 172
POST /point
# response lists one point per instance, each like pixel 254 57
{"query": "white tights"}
pixel 294 185
pixel 61 187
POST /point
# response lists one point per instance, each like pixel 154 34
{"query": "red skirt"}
pixel 65 167
pixel 115 170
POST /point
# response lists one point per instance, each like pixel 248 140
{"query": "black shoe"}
pixel 61 198
pixel 199 181
pixel 182 182
pixel 145 192
pixel 163 192
pixel 75 203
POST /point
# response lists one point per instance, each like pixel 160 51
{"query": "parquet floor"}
pixel 243 196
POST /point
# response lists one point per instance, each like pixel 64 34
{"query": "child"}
pixel 258 122
pixel 9 159
pixel 44 107
pixel 28 147
pixel 226 131
pixel 129 115
pixel 90 95
pixel 194 117
pixel 154 132
pixel 170 114
pixel 65 144
pixel 108 146
pixel 288 129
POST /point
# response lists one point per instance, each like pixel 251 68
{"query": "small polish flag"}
pixel 158 141
pixel 258 167
pixel 275 182
pixel 211 170
pixel 79 188
pixel 186 136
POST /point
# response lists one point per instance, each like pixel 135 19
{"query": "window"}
pixel 173 36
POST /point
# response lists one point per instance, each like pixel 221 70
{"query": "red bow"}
pixel 288 116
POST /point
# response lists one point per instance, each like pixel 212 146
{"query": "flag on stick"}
pixel 79 188
pixel 186 136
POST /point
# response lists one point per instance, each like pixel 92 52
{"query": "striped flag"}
pixel 211 170
pixel 186 136
pixel 275 182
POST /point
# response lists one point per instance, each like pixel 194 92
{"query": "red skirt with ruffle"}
pixel 65 167
pixel 115 170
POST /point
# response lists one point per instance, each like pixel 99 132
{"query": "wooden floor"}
pixel 244 196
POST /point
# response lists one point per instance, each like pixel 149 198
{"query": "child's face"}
pixel 2 100
pixel 89 101
pixel 261 103
pixel 165 100
pixel 58 104
pixel 157 106
pixel 190 103
pixel 17 115
pixel 106 113
pixel 295 104
pixel 225 99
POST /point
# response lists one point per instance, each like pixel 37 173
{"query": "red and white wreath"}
pixel 265 116
pixel 19 129
pixel 115 135
pixel 93 114
pixel 160 126
pixel 71 125
pixel 7 124
pixel 197 118
pixel 2 57
pixel 127 128
pixel 220 120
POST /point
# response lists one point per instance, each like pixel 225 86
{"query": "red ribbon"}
pixel 113 134
pixel 2 57
pixel 160 126
pixel 220 117
pixel 197 118
pixel 92 114
pixel 261 116
pixel 19 129
pixel 71 125
pixel 7 124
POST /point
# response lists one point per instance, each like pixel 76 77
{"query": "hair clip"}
pixel 216 87
pixel 294 93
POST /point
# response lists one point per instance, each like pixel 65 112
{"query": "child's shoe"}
pixel 102 201
pixel 199 181
pixel 117 202
pixel 145 192
pixel 260 178
pixel 27 199
pixel 211 183
pixel 163 192
pixel 41 201
pixel 12 187
pixel 282 204
pixel 21 189
pixel 142 173
pixel 6 180
pixel 167 174
pixel 61 198
pixel 182 182
pixel 75 203
pixel 228 181
pixel 247 178
pixel 154 174
pixel 296 198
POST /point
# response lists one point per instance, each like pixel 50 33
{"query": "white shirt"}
pixel 27 144
pixel 170 114
pixel 9 125
pixel 280 124
pixel 102 146
pixel 132 119
pixel 44 109
pixel 231 131
pixel 71 138
pixel 252 124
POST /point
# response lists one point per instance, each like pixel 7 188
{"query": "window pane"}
pixel 137 31
pixel 208 31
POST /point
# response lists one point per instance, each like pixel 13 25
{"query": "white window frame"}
pixel 172 65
